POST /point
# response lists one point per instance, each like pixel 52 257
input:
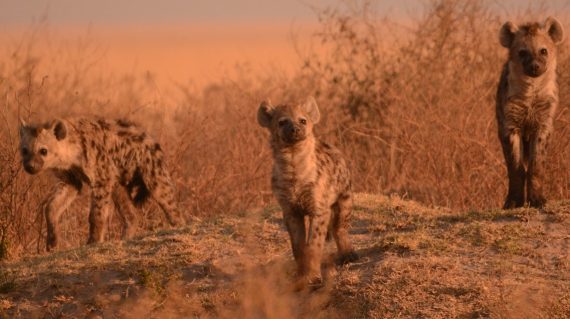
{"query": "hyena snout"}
pixel 292 133
pixel 534 68
pixel 33 166
pixel 533 64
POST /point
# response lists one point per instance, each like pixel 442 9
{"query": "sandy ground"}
pixel 415 262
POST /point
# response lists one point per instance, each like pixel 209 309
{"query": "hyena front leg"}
pixel 513 152
pixel 315 244
pixel 56 203
pixel 342 210
pixel 295 224
pixel 537 159
pixel 99 214
pixel 126 211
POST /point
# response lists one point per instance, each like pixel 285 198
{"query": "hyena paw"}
pixel 512 203
pixel 51 244
pixel 176 220
pixel 308 282
pixel 346 258
pixel 537 201
pixel 50 247
pixel 93 240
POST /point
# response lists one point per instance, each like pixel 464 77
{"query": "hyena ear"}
pixel 23 127
pixel 312 110
pixel 507 34
pixel 59 130
pixel 265 114
pixel 555 30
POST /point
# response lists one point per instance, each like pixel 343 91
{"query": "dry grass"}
pixel 417 114
pixel 412 109
pixel 416 262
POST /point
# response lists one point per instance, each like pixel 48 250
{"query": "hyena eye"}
pixel 25 151
pixel 282 122
pixel 43 151
pixel 543 51
pixel 303 121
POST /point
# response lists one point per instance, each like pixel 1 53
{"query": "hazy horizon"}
pixel 112 12
pixel 199 41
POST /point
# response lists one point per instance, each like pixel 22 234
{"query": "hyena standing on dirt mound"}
pixel 527 99
pixel 310 179
pixel 117 159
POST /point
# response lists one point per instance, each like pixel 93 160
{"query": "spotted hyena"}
pixel 527 98
pixel 118 161
pixel 310 179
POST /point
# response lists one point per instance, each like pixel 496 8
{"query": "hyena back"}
pixel 119 162
pixel 310 179
pixel 527 99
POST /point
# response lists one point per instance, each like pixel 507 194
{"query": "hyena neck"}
pixel 531 89
pixel 69 153
pixel 296 162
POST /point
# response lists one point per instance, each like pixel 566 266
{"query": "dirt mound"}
pixel 415 262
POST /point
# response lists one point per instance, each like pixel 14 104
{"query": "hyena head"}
pixel 41 145
pixel 289 123
pixel 532 46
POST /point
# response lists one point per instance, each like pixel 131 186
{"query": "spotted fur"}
pixel 527 99
pixel 120 163
pixel 310 179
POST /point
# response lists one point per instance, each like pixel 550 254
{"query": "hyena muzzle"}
pixel 119 162
pixel 310 179
pixel 527 99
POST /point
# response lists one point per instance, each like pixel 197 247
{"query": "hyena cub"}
pixel 116 159
pixel 527 98
pixel 310 179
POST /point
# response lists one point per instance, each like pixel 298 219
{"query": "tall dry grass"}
pixel 411 108
pixel 417 116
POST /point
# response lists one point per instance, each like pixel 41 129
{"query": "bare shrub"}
pixel 411 108
pixel 421 111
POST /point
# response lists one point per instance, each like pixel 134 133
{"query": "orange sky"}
pixel 203 52
pixel 176 40
pixel 201 41
pixel 198 53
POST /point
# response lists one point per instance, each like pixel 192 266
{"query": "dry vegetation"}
pixel 414 113
pixel 416 262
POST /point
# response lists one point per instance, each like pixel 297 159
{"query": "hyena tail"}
pixel 137 189
pixel 161 188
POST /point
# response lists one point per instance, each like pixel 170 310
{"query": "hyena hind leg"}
pixel 126 211
pixel 164 193
pixel 342 210
pixel 101 201
pixel 55 204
